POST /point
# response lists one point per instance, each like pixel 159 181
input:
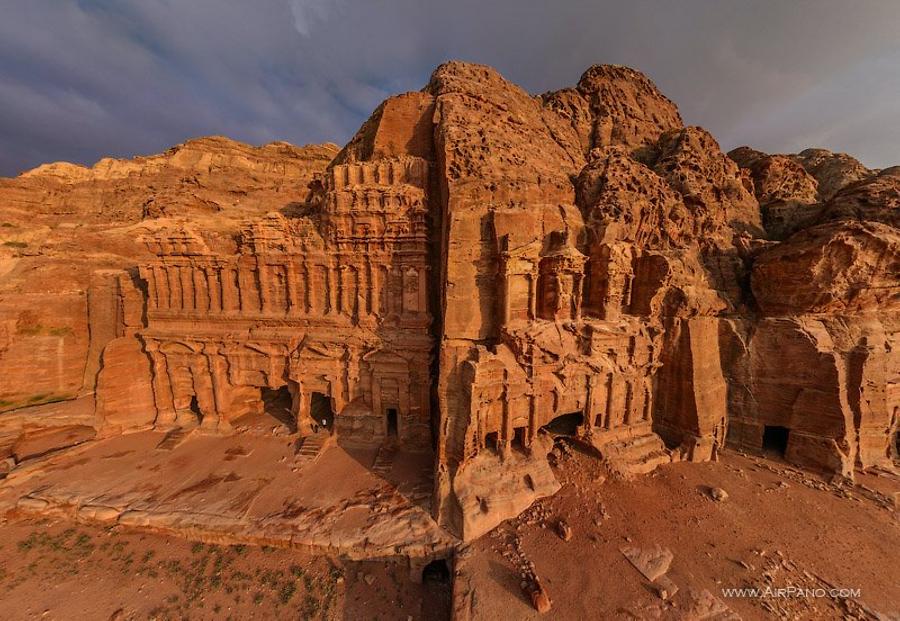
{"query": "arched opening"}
pixel 775 439
pixel 565 424
pixel 195 408
pixel 320 411
pixel 436 571
pixel 277 403
pixel 392 428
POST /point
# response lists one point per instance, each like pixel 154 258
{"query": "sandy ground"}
pixel 779 527
pixel 240 488
pixel 61 570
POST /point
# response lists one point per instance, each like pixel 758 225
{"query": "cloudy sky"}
pixel 80 79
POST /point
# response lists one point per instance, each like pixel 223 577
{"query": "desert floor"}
pixel 779 527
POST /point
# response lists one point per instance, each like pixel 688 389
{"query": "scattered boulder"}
pixel 538 595
pixel 718 494
pixel 651 562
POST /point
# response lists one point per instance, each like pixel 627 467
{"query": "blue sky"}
pixel 83 79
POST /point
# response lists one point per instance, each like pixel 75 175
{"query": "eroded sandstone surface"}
pixel 476 271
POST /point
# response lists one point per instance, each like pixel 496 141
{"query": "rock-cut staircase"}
pixel 310 448
pixel 634 451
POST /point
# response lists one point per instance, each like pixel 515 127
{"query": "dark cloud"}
pixel 80 80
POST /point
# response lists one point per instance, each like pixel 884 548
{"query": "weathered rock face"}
pixel 841 267
pixel 480 269
pixel 875 199
pixel 787 194
pixel 821 372
pixel 202 176
pixel 614 105
pixel 66 234
pixel 708 180
pixel 832 171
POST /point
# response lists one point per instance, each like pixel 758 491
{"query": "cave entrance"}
pixel 436 571
pixel 277 403
pixel 565 424
pixel 320 411
pixel 392 428
pixel 492 441
pixel 775 439
pixel 195 408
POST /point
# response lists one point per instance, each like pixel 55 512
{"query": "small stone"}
pixel 539 598
pixel 718 494
pixel 564 530
pixel 665 588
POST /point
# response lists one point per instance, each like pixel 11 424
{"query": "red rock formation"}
pixel 479 270
pixel 832 268
pixel 61 223
pixel 875 199
pixel 787 194
pixel 614 105
pixel 832 171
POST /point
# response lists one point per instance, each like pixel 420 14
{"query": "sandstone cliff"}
pixel 579 263
pixel 60 223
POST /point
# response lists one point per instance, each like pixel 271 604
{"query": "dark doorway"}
pixel 518 441
pixel 392 422
pixel 565 424
pixel 775 439
pixel 436 571
pixel 492 441
pixel 277 403
pixel 195 408
pixel 320 410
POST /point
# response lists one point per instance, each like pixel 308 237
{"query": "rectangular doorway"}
pixel 392 424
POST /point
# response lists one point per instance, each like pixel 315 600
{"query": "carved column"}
pixel 291 282
pixel 423 291
pixel 162 390
pixel 230 294
pixel 532 414
pixel 150 275
pixel 201 288
pixel 312 289
pixel 213 289
pixel 217 374
pixel 589 404
pixel 371 286
pixel 244 286
pixel 187 287
pixel 629 399
pixel 331 288
pixel 577 290
pixel 265 285
pixel 174 283
pixel 506 430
